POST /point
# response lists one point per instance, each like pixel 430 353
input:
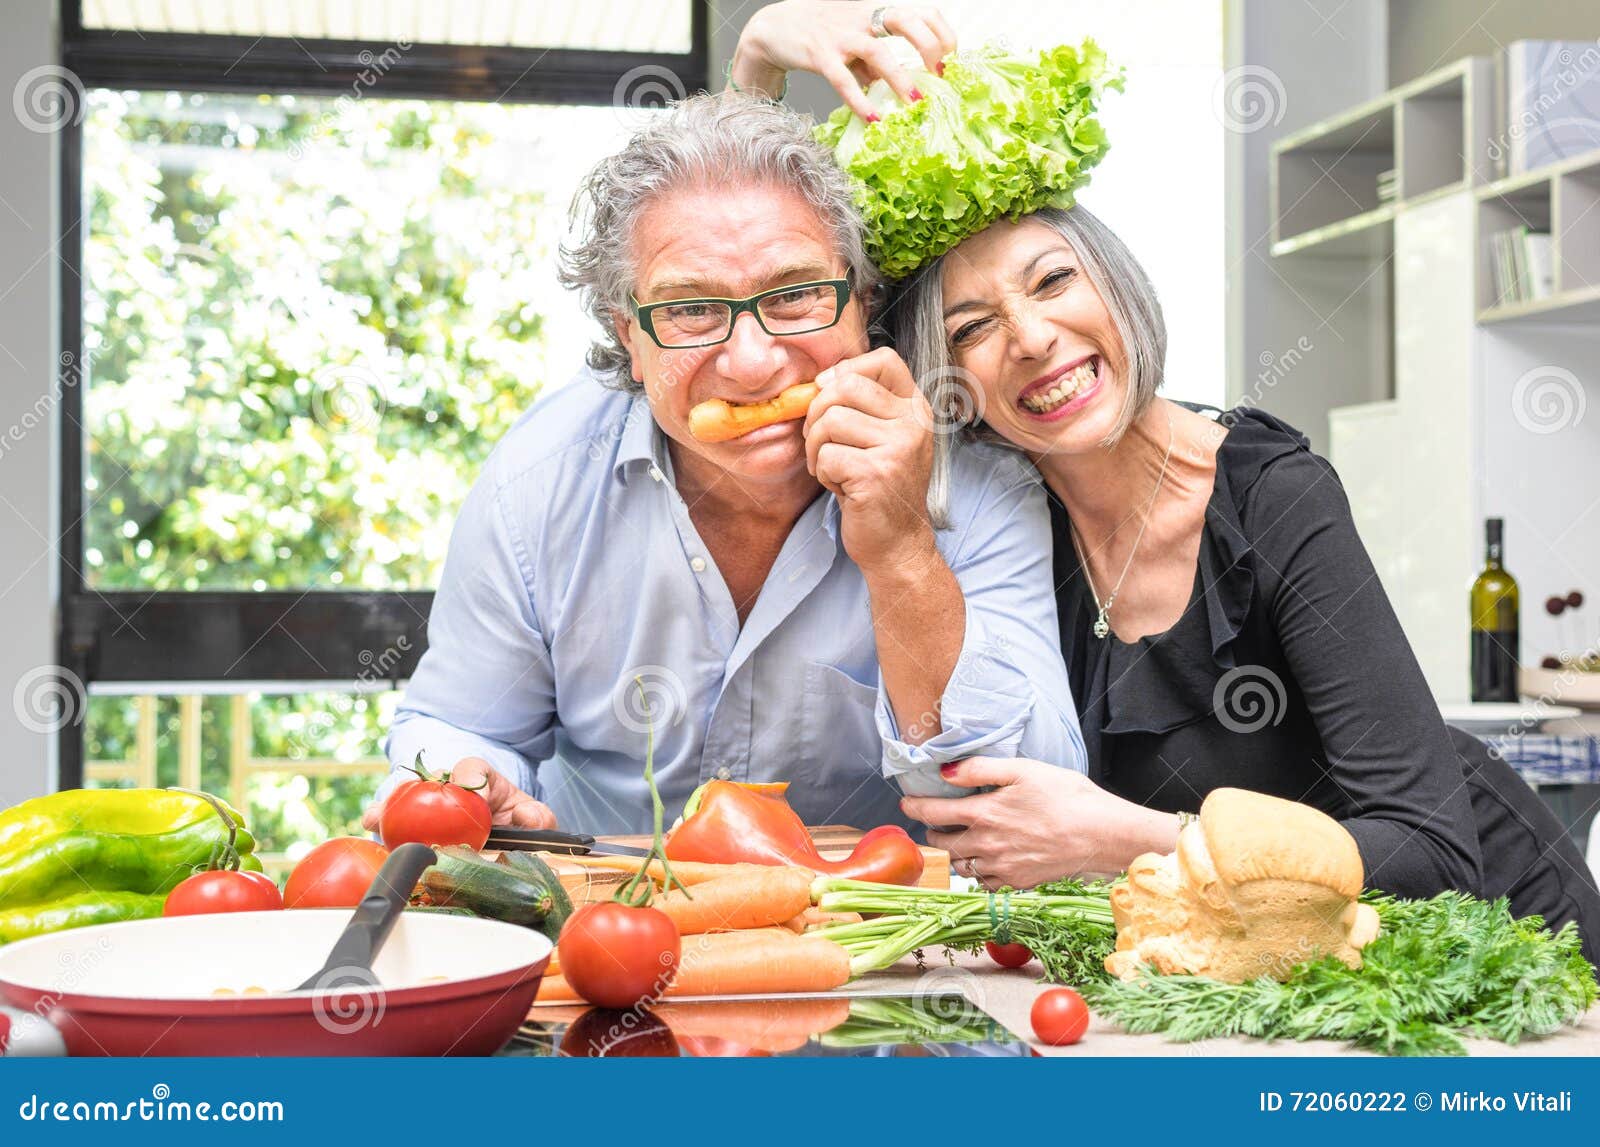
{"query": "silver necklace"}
pixel 1102 627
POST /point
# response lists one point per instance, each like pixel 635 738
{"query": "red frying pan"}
pixel 225 985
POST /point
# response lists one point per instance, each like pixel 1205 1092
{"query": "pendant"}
pixel 1101 626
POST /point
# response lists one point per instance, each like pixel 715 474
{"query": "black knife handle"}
pixel 539 839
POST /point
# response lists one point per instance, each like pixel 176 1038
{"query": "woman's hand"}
pixel 835 40
pixel 509 804
pixel 1042 823
pixel 869 440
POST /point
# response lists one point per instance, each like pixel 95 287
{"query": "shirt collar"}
pixel 639 446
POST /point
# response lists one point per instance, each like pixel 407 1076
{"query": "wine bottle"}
pixel 1495 640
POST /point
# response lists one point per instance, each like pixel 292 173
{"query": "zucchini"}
pixel 541 873
pixel 463 879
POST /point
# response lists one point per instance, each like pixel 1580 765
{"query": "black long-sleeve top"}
pixel 1289 674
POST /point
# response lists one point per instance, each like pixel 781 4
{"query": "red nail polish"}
pixel 939 69
pixel 916 95
pixel 873 117
pixel 948 770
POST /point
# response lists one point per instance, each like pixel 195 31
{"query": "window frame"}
pixel 239 636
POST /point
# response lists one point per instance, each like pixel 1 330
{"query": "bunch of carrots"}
pixel 745 928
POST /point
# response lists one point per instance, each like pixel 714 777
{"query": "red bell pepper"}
pixel 728 823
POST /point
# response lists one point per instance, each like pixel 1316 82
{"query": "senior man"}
pixel 778 606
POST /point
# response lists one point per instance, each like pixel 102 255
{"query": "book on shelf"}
pixel 1521 265
pixel 1548 105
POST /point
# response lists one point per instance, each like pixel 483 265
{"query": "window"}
pixel 314 284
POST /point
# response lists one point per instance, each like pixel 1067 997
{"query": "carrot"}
pixel 730 963
pixel 687 871
pixel 555 989
pixel 769 895
pixel 752 961
pixel 817 918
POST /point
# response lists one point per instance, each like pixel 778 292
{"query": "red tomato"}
pixel 435 811
pixel 223 891
pixel 334 874
pixel 617 956
pixel 1009 955
pixel 1059 1017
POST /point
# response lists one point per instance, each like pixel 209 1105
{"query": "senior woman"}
pixel 1221 621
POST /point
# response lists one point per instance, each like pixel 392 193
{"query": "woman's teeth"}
pixel 1063 391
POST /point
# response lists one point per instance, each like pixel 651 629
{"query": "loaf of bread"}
pixel 1257 885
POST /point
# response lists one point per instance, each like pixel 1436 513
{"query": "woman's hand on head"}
pixel 835 40
pixel 1040 823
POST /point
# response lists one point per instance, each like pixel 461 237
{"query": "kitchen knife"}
pixel 505 838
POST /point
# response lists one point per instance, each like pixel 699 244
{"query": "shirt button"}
pixel 655 472
pixel 724 773
pixel 698 565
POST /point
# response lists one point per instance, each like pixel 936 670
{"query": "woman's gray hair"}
pixel 916 320
pixel 712 139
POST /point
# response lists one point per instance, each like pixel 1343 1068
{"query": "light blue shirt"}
pixel 574 568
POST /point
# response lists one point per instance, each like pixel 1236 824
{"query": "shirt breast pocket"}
pixel 837 724
pixel 844 781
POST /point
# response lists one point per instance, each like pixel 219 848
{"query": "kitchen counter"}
pixel 1008 994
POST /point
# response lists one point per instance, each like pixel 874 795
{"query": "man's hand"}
pixel 509 804
pixel 869 440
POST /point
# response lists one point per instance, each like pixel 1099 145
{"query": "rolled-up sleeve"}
pixel 1008 695
pixel 486 686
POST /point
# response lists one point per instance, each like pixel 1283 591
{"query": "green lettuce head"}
pixel 996 135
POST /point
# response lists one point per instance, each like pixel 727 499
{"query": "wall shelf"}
pixel 1366 236
pixel 1431 137
pixel 1486 417
pixel 1579 306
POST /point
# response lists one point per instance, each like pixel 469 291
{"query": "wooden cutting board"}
pixel 585 884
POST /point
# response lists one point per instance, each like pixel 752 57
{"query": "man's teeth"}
pixel 1044 403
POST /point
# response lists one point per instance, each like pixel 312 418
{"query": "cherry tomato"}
pixel 335 874
pixel 617 956
pixel 223 891
pixel 1059 1017
pixel 434 811
pixel 1009 955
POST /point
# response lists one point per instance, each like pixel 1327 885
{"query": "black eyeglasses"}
pixel 793 310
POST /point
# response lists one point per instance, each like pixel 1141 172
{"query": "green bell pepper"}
pixel 58 852
pixel 78 912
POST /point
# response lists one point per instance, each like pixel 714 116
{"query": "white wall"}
pixel 29 275
pixel 1290 65
pixel 1426 34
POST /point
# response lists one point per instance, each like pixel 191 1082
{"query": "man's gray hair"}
pixel 710 140
pixel 916 321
